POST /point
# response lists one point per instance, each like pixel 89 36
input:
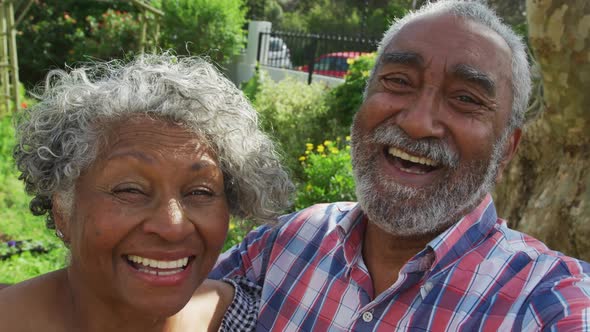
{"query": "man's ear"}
pixel 510 148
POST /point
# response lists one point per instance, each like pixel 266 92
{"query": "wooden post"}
pixel 4 65
pixel 144 22
pixel 156 35
pixel 13 56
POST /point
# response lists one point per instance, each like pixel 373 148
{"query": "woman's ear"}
pixel 60 213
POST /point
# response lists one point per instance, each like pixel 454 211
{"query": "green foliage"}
pixel 57 32
pixel 28 265
pixel 252 87
pixel 17 223
pixel 327 174
pixel 341 17
pixel 204 27
pixel 118 29
pixel 293 113
pixel 345 99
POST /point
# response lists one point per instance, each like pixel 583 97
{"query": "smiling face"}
pixel 150 217
pixel 429 140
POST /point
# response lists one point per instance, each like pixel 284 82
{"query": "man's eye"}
pixel 396 81
pixel 468 99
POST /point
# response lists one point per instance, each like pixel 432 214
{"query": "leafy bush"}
pixel 327 174
pixel 119 29
pixel 345 99
pixel 293 113
pixel 341 17
pixel 54 33
pixel 204 27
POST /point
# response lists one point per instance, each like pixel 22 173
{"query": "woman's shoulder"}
pixel 228 305
pixel 35 295
pixel 242 313
pixel 206 308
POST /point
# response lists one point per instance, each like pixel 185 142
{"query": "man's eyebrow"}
pixel 476 76
pixel 402 58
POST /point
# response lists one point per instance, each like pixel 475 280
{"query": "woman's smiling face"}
pixel 149 218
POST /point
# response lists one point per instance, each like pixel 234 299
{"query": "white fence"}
pixel 243 66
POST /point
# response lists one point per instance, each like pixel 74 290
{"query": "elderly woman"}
pixel 138 168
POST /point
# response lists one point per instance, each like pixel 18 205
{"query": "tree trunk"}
pixel 546 190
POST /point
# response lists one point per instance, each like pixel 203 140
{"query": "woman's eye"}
pixel 201 192
pixel 128 191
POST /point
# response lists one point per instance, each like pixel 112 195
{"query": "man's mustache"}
pixel 431 148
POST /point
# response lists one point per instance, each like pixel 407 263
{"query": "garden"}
pixel 310 122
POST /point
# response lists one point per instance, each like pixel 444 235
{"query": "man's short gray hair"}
pixel 60 137
pixel 479 13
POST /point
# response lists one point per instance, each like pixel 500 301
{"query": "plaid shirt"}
pixel 477 275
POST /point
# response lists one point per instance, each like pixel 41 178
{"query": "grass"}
pixel 17 223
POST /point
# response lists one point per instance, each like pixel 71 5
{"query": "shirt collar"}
pixel 453 243
pixel 442 250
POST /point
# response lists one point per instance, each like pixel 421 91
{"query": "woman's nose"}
pixel 169 222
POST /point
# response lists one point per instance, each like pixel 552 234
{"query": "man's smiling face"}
pixel 430 138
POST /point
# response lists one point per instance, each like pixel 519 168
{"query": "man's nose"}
pixel 421 119
pixel 169 221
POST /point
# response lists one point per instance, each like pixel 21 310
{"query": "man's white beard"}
pixel 407 211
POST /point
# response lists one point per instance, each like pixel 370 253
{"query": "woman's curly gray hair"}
pixel 59 138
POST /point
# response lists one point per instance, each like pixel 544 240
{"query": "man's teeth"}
pixel 405 156
pixel 179 263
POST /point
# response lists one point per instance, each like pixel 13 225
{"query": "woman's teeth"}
pixel 153 266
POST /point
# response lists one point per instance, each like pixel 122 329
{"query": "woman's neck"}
pixel 84 310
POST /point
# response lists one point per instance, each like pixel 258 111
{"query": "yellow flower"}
pixel 327 142
pixel 320 148
pixel 334 150
pixel 302 158
pixel 350 61
pixel 347 138
pixel 308 187
pixel 365 73
pixel 309 146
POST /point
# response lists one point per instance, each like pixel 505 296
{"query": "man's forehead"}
pixel 458 40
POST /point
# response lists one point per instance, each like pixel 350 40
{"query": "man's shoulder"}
pixel 324 215
pixel 516 243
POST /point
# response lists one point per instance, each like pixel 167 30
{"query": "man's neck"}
pixel 385 254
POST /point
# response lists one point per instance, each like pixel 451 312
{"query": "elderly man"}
pixel 423 249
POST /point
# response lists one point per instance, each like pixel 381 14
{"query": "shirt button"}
pixel 367 316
